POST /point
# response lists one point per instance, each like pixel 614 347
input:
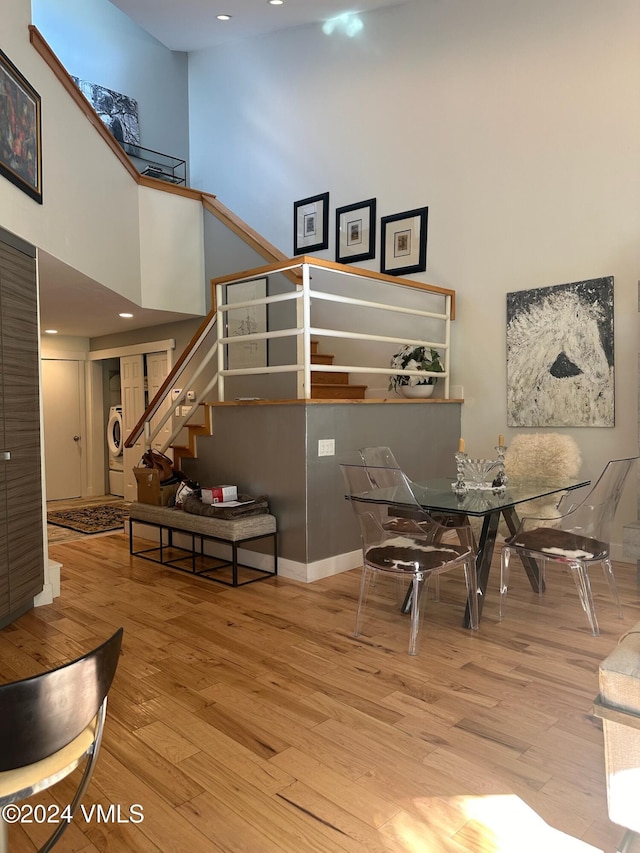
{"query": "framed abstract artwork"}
pixel 20 131
pixel 311 224
pixel 404 242
pixel 356 232
pixel 560 355
pixel 246 320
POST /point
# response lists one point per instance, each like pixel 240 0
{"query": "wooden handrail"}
pixel 253 239
pixel 175 371
pixel 290 263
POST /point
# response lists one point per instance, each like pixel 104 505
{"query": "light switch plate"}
pixel 326 447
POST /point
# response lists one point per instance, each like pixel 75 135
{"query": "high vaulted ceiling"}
pixel 192 24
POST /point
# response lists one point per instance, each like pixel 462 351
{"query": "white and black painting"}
pixel 560 357
pixel 119 112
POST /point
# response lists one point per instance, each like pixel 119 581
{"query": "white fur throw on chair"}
pixel 542 456
pixel 538 456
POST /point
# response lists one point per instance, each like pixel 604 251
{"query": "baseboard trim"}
pixel 310 572
pixel 51 587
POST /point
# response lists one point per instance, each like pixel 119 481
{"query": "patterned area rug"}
pixel 91 519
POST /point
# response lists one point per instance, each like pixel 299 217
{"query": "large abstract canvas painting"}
pixel 560 365
pixel 119 112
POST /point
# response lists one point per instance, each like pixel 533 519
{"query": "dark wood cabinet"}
pixel 21 526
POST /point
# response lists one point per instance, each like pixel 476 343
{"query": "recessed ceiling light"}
pixel 125 315
pixel 275 2
pixel 223 17
pixel 51 331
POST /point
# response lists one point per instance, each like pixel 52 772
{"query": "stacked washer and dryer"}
pixel 115 445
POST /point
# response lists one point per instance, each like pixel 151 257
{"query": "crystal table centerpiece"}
pixel 480 473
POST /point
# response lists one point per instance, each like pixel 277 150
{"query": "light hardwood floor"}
pixel 250 720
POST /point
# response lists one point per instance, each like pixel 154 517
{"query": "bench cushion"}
pixel 232 530
pixel 619 681
pixel 619 675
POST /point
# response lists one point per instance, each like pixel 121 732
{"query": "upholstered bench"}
pixel 232 532
pixel 618 704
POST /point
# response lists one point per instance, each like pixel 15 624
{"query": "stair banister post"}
pixel 221 327
pixel 305 391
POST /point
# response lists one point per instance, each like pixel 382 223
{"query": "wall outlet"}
pixel 326 447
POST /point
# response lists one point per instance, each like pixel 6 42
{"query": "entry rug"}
pixel 91 519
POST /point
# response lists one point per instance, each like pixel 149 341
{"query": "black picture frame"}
pixel 404 242
pixel 311 224
pixel 356 232
pixel 20 131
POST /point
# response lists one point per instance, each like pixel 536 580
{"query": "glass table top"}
pixel 438 495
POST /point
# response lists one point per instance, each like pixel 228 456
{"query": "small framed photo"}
pixel 311 224
pixel 404 242
pixel 20 131
pixel 356 232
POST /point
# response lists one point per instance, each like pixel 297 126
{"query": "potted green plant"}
pixel 412 357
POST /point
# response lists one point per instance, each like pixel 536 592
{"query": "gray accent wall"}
pixel 272 449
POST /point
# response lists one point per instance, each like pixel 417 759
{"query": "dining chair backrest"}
pixel 379 457
pixel 42 714
pixel 593 515
pixel 371 485
pixel 384 502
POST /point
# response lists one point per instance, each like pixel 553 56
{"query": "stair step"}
pixel 318 377
pixel 321 358
pixel 338 392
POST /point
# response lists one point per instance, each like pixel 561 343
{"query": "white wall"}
pixel 94 217
pixel 515 122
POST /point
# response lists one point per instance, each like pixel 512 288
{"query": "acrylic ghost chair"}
pixel 414 551
pixel 577 538
pixel 49 724
pixel 383 457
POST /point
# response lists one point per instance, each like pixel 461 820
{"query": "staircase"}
pixel 331 386
pixel 188 451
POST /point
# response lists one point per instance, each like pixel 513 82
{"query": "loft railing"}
pixel 256 341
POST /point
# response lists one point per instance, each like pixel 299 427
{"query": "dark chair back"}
pixel 41 714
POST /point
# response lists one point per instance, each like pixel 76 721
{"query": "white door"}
pixel 157 370
pixel 62 384
pixel 133 406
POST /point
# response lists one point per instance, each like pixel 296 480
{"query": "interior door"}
pixel 157 370
pixel 132 382
pixel 63 433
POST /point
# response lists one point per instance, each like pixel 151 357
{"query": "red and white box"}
pixel 219 494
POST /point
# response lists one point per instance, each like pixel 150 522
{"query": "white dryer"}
pixel 115 444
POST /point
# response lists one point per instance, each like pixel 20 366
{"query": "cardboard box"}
pixel 149 489
pixel 219 494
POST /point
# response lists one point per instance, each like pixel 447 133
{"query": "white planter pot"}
pixel 417 391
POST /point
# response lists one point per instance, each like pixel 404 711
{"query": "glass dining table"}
pixel 438 496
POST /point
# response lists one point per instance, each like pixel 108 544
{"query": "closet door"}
pixel 157 370
pixel 133 406
pixel 20 396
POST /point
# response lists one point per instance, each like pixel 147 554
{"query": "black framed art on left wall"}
pixel 20 131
